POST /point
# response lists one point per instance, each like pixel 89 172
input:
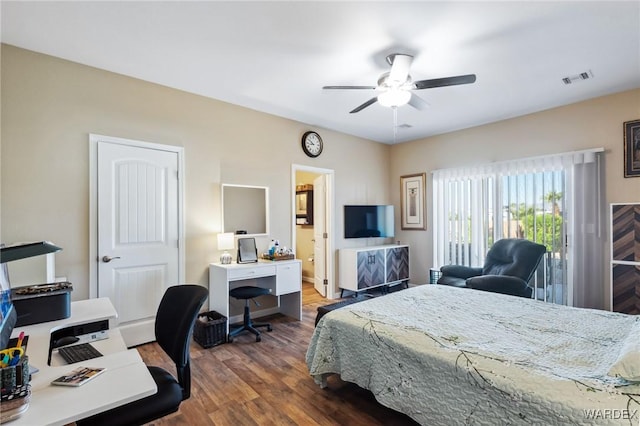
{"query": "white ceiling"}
pixel 276 56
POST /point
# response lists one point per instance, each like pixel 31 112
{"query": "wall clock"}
pixel 312 144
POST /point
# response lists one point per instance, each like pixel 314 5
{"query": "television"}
pixel 368 221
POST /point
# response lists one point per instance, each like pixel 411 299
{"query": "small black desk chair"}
pixel 245 293
pixel 175 318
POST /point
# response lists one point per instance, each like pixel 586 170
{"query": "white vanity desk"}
pixel 282 277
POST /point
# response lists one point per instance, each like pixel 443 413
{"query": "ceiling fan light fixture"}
pixel 394 97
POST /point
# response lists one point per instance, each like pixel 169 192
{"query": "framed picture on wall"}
pixel 632 148
pixel 412 203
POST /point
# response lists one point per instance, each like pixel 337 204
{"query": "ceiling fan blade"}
pixel 364 105
pixel 399 68
pixel 348 87
pixel 418 103
pixel 447 81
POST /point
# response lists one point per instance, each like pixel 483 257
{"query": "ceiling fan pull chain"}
pixel 395 123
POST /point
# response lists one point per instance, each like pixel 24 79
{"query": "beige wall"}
pixel 589 124
pixel 50 106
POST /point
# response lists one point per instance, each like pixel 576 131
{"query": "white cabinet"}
pixel 368 267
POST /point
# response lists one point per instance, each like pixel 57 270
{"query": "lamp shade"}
pixel 226 241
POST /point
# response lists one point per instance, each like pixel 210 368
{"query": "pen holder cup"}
pixel 16 390
pixel 15 375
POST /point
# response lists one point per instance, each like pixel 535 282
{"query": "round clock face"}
pixel 312 144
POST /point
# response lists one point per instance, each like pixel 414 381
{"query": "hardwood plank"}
pixel 268 383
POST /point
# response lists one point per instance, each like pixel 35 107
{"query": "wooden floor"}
pixel 268 383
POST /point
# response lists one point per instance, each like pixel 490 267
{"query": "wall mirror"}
pixel 245 209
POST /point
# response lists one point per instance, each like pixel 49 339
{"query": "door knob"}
pixel 107 259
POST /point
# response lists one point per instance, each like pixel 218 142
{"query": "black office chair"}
pixel 246 293
pixel 508 268
pixel 175 318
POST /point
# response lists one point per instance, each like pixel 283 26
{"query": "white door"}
pixel 138 233
pixel 320 234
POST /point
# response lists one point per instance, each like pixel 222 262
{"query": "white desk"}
pixel 282 277
pixel 126 378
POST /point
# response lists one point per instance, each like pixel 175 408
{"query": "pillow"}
pixel 627 365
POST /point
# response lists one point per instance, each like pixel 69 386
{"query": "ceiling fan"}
pixel 395 86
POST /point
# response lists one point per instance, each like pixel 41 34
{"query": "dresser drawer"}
pixel 247 273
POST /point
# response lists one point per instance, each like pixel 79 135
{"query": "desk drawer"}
pixel 247 273
pixel 289 279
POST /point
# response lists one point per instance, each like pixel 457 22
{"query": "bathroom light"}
pixel 225 242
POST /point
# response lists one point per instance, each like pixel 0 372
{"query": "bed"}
pixel 445 355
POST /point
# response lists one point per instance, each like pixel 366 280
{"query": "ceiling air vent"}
pixel 578 77
pixel 404 126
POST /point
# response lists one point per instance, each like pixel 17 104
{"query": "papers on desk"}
pixel 78 377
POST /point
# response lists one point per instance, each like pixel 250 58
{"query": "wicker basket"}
pixel 210 329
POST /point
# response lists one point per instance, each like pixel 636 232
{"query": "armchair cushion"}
pixel 460 271
pixel 515 257
pixel 456 275
pixel 500 284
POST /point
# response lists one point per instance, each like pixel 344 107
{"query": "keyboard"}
pixel 77 353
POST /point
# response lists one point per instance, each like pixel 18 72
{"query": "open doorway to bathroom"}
pixel 312 233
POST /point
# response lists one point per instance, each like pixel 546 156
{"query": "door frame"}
pixel 94 139
pixel 331 292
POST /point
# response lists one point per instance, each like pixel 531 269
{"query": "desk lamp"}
pixel 225 242
pixel 8 312
pixel 22 251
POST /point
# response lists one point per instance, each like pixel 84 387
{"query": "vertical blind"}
pixel 553 200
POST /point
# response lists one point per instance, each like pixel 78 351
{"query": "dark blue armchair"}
pixel 508 268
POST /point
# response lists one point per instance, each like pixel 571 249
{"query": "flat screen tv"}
pixel 368 221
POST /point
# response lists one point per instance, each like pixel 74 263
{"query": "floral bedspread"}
pixel 449 356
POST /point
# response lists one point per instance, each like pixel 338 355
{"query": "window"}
pixel 552 200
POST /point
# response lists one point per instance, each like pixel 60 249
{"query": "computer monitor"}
pixel 8 314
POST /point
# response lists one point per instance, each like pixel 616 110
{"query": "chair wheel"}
pixel 230 339
pixel 269 328
pixel 258 338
